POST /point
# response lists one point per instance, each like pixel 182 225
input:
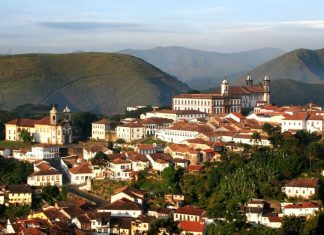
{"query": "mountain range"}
pixel 204 69
pixel 103 83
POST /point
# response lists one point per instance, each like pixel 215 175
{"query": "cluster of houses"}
pixel 198 129
pixel 125 214
pixel 262 213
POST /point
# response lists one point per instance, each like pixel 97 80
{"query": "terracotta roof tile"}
pixel 192 226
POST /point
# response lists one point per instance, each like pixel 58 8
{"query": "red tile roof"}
pixel 122 204
pixel 303 182
pixel 104 121
pixel 192 226
pixel 190 210
pixel 22 122
pixel 192 168
pixel 302 205
pixel 83 168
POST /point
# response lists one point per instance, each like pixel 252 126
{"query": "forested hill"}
pixel 300 65
pixel 98 82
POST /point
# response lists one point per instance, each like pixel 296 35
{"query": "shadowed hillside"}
pixel 98 82
pixel 299 65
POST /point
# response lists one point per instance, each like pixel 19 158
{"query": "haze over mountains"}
pixel 98 82
pixel 204 69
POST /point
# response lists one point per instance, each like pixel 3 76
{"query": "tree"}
pixel 110 145
pixel 268 128
pixel 314 150
pixel 120 141
pixel 168 224
pixel 292 225
pixel 99 159
pixel 82 124
pixel 25 136
pixel 256 137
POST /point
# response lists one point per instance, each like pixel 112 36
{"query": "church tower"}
pixel 266 89
pixel 225 88
pixel 53 116
pixel 249 80
pixel 67 113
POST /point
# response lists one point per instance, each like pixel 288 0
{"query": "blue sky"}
pixel 111 25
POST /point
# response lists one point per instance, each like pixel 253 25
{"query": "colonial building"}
pixel 230 99
pixel 48 130
pixel 131 132
pixel 303 187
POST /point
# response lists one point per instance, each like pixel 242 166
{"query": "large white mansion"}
pixel 230 99
pixel 48 130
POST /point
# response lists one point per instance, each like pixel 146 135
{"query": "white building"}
pixel 80 173
pixel 100 128
pixel 120 168
pixel 300 209
pixel 229 99
pixel 302 187
pixel 303 121
pixel 175 115
pixel 48 130
pixel 131 132
pixel 129 193
pixel 122 208
pixel 181 131
pixel 90 150
pixel 160 161
pixel 188 213
pixel 45 175
pixel 44 152
pixel 155 123
pixel 139 162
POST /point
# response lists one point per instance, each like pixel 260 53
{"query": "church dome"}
pixel 249 78
pixel 66 110
pixel 225 81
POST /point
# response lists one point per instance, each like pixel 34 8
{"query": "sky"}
pixel 60 26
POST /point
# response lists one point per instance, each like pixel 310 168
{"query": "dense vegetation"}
pixel 103 83
pixel 13 171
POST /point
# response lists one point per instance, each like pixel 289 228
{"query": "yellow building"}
pixel 48 130
pixel 19 194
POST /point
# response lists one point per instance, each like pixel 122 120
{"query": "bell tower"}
pixel 53 116
pixel 266 89
pixel 249 80
pixel 225 88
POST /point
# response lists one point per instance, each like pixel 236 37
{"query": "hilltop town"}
pixel 214 163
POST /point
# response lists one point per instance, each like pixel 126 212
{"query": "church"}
pixel 229 99
pixel 47 130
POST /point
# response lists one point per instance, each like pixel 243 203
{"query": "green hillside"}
pixel 300 65
pixel 290 92
pixel 98 82
pixel 204 69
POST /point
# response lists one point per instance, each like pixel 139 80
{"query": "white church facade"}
pixel 230 99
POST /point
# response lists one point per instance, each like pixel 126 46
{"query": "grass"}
pixel 153 140
pixel 106 188
pixel 99 82
pixel 14 144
